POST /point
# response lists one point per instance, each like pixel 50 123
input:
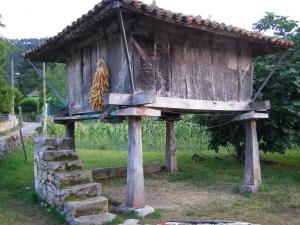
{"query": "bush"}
pixel 29 105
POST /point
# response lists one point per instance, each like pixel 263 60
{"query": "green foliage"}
pixel 57 75
pixel 5 90
pixel 28 82
pixel 281 131
pixel 281 26
pixel 96 135
pixel 18 200
pixel 29 104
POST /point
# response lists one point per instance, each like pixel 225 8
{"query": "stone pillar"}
pixel 252 165
pixel 70 133
pixel 171 161
pixel 135 195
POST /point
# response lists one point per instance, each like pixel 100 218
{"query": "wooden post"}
pixel 171 161
pixel 70 132
pixel 135 195
pixel 252 165
pixel 21 134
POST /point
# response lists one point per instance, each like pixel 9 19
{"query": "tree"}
pixel 5 90
pixel 281 131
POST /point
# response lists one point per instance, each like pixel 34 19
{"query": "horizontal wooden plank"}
pixel 63 120
pixel 252 116
pixel 129 99
pixel 190 105
pixel 143 98
pixel 108 173
pixel 136 111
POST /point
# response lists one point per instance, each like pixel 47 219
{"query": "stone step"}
pixel 65 165
pixel 90 206
pixel 71 178
pixel 98 219
pixel 81 191
pixel 60 155
pixel 56 143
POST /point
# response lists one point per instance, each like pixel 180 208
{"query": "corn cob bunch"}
pixel 100 86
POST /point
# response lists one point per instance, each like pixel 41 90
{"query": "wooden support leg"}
pixel 171 161
pixel 70 132
pixel 135 196
pixel 252 164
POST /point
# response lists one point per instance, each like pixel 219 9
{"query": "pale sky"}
pixel 45 18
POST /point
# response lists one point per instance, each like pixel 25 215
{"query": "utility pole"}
pixel 44 101
pixel 13 86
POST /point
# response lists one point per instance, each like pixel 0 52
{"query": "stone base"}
pixel 130 222
pixel 247 188
pixel 140 212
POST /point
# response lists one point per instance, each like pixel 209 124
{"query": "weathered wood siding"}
pixel 166 60
pixel 183 63
pixel 82 65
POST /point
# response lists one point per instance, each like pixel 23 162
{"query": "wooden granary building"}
pixel 161 64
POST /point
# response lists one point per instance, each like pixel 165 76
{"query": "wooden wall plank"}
pixel 87 73
pixel 232 75
pixel 245 71
pixel 218 70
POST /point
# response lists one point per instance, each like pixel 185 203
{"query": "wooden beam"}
pixel 143 98
pixel 194 106
pixel 252 116
pixel 137 111
pixel 70 132
pixel 67 119
pixel 189 105
pixel 136 99
pixel 171 161
pixel 135 193
pixel 252 165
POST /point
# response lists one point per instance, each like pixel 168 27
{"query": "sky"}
pixel 45 18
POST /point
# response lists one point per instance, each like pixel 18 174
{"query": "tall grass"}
pixel 97 135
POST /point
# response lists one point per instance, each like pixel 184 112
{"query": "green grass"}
pixel 278 201
pixel 18 202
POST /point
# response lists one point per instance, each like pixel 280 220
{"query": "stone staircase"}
pixel 64 184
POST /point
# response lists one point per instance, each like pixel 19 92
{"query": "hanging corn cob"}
pixel 100 86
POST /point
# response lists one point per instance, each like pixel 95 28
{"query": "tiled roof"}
pixel 84 24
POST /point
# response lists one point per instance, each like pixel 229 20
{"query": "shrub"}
pixel 29 105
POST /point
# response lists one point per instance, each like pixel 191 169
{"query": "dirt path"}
pixel 28 130
pixel 183 201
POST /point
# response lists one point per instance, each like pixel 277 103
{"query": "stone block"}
pixel 142 212
pixel 61 155
pixel 65 165
pixel 81 191
pixel 90 206
pixel 56 143
pixel 67 179
pixel 98 219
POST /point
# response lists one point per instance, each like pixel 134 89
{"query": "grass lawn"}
pixel 202 190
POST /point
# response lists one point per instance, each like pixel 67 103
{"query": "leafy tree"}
pixel 57 75
pixel 5 90
pixel 283 90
